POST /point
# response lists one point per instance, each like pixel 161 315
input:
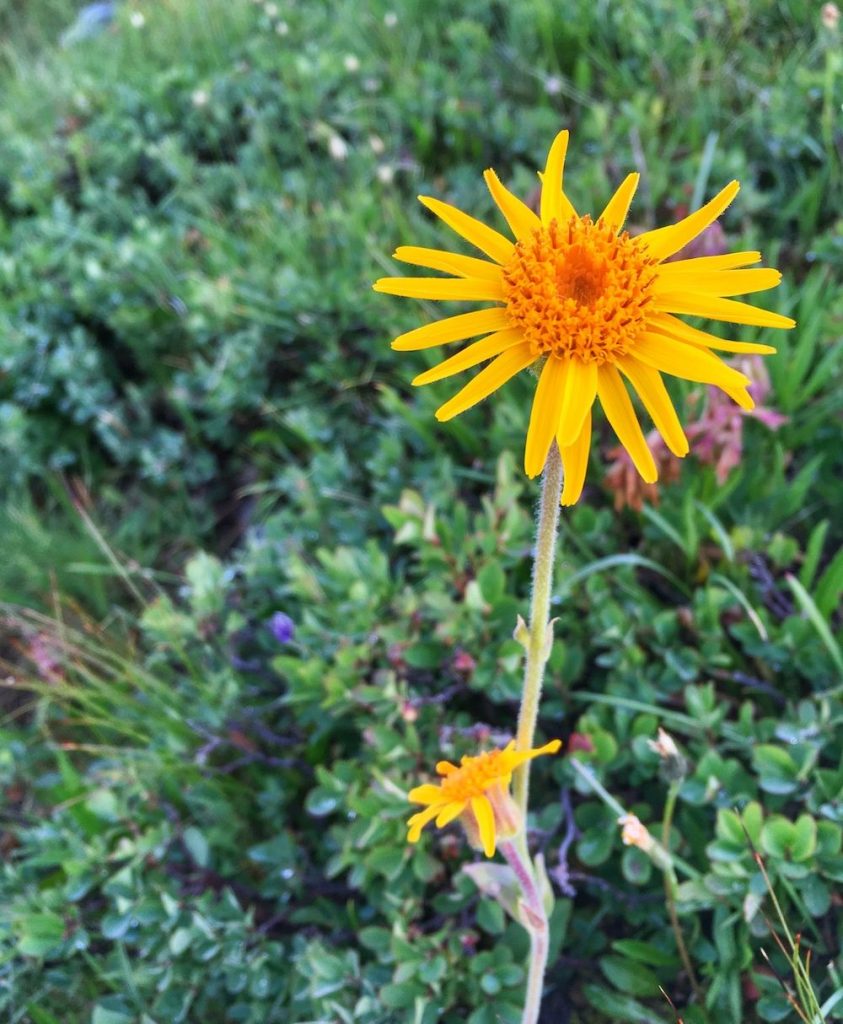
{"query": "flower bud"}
pixel 674 766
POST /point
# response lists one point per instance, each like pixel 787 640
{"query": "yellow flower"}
pixel 590 306
pixel 478 793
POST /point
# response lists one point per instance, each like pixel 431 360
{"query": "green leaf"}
pixel 320 802
pixel 38 934
pixel 399 996
pixel 729 827
pixel 636 866
pixel 815 617
pixel 777 769
pixel 433 970
pixel 816 895
pixel 830 586
pixel 618 1007
pixel 490 984
pixel 386 860
pixel 197 846
pixel 805 838
pixel 377 939
pixel 41 1016
pixel 498 882
pixel 777 836
pixel 206 576
pixel 628 976
pixel 492 580
pixel 774 1008
pixel 180 940
pixel 490 917
pixel 594 847
pixel 753 819
pixel 645 953
pixel 112 1010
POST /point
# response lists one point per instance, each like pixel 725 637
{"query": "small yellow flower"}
pixel 586 305
pixel 477 792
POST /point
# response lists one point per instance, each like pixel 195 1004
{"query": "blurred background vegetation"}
pixel 203 426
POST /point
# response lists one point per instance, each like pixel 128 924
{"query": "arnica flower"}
pixel 588 307
pixel 476 792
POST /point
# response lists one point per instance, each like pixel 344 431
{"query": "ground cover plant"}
pixel 253 591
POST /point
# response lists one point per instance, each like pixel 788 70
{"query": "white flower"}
pixel 199 98
pixel 385 173
pixel 663 745
pixel 282 28
pixel 351 63
pixel 136 19
pixel 376 143
pixel 390 19
pixel 271 10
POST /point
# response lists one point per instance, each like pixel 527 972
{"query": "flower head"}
pixel 282 627
pixel 664 745
pixel 477 792
pixel 674 767
pixel 588 306
pixel 634 833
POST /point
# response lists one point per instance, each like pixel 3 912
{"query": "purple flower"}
pixel 282 627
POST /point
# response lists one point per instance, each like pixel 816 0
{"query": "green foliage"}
pixel 202 823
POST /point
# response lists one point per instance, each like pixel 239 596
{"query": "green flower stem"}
pixel 670 886
pixel 661 856
pixel 535 976
pixel 537 638
pixel 534 919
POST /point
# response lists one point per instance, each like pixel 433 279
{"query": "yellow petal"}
pixel 544 416
pixel 453 328
pixel 520 218
pixel 721 309
pixel 664 242
pixel 460 290
pixel 488 380
pixel 618 206
pixel 486 239
pixel 554 202
pixel 479 352
pixel 427 794
pixel 520 756
pixel 718 282
pixel 578 393
pixel 742 397
pixel 445 768
pixel 652 392
pixel 450 262
pixel 664 323
pixel 448 813
pixel 485 822
pixel 417 822
pixel 686 361
pixel 620 414
pixel 727 261
pixel 575 463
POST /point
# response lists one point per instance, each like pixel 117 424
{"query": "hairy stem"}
pixel 535 977
pixel 538 639
pixel 534 919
